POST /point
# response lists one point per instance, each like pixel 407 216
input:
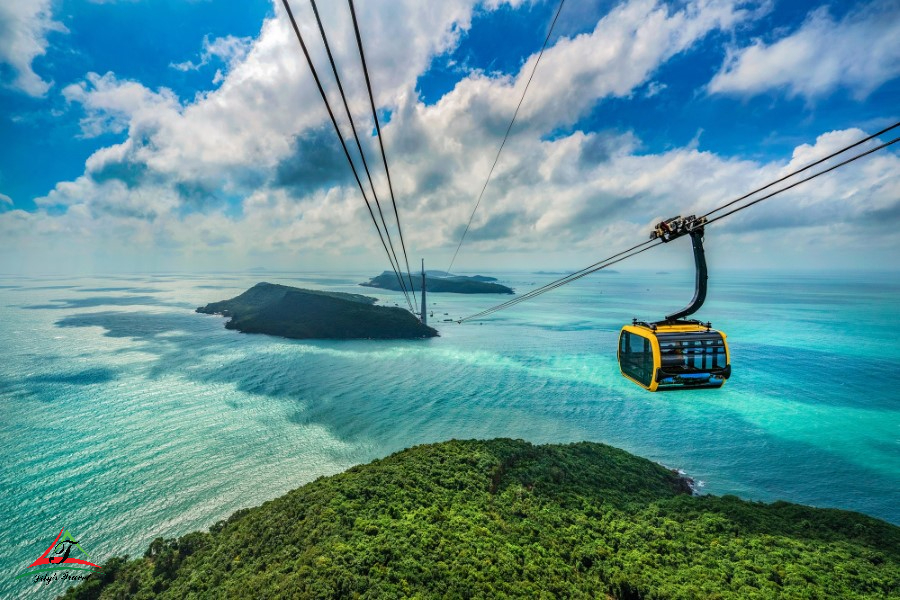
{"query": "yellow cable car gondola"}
pixel 676 353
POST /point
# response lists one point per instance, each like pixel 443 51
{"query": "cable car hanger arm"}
pixel 675 228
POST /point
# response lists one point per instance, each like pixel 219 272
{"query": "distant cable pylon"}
pixel 506 136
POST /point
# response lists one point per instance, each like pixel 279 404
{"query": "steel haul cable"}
pixel 568 279
pixel 633 251
pixel 505 137
pixel 362 154
pixel 804 180
pixel 554 284
pixel 343 144
pixel 387 171
pixel 809 166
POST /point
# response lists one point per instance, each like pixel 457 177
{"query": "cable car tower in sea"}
pixel 677 353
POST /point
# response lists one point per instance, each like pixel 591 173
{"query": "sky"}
pixel 166 135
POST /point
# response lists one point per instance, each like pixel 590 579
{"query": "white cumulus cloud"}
pixel 860 52
pixel 228 49
pixel 111 105
pixel 250 173
pixel 24 26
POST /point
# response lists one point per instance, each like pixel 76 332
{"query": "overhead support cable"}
pixel 597 266
pixel 807 167
pixel 362 154
pixel 343 143
pixel 643 247
pixel 387 171
pixel 804 180
pixel 506 136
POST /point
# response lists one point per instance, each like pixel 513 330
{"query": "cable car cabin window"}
pixel 692 352
pixel 636 357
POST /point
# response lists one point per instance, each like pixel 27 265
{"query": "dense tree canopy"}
pixel 456 284
pixel 504 518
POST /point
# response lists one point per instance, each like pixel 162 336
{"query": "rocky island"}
pixel 307 314
pixel 441 281
pixel 504 518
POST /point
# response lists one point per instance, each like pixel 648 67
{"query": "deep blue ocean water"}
pixel 126 416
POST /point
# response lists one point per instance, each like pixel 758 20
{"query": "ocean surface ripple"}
pixel 126 416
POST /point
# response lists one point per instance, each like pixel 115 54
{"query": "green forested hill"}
pixel 504 518
pixel 456 284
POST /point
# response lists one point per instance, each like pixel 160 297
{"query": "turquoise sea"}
pixel 126 416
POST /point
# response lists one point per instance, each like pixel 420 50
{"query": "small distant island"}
pixel 308 314
pixel 507 519
pixel 440 282
pixel 601 271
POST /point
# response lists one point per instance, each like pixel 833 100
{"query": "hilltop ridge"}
pixel 507 518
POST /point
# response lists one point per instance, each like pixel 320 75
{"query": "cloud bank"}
pixel 251 173
pixel 859 52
